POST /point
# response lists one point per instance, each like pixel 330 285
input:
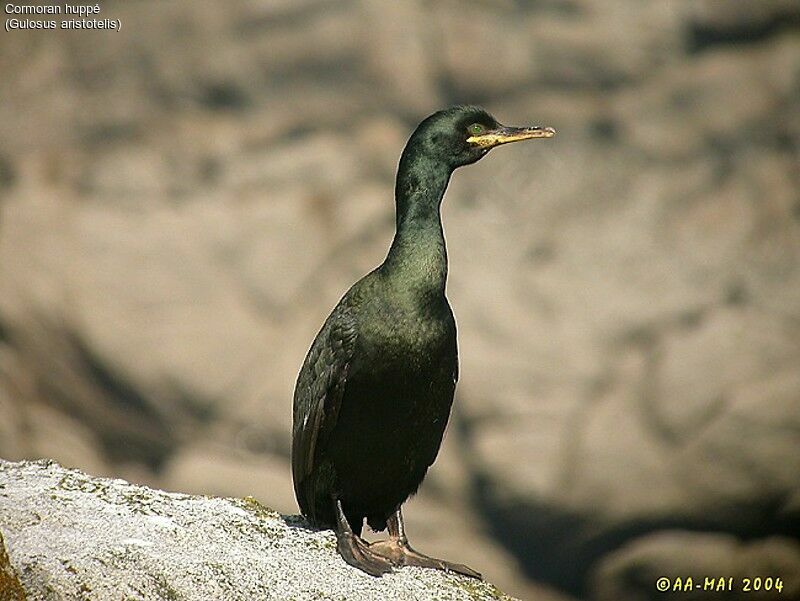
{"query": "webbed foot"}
pixel 400 553
pixel 355 550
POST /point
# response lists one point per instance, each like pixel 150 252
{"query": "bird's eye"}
pixel 476 129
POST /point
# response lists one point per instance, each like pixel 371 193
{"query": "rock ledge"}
pixel 70 535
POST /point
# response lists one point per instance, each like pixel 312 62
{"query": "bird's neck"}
pixel 417 259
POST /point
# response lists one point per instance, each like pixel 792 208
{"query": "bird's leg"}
pixel 400 553
pixel 354 550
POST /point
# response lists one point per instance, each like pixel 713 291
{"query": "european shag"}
pixel 374 394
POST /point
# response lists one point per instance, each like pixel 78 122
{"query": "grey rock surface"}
pixel 73 536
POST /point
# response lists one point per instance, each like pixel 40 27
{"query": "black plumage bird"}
pixel 374 394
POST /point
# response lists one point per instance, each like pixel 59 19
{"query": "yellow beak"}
pixel 504 135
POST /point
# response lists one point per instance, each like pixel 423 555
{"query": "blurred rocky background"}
pixel 182 202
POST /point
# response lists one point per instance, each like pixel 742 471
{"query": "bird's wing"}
pixel 319 391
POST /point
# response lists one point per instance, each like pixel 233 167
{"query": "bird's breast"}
pixel 408 338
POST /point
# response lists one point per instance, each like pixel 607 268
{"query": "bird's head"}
pixel 462 135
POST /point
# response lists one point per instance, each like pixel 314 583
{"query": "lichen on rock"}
pixel 70 535
pixel 10 586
